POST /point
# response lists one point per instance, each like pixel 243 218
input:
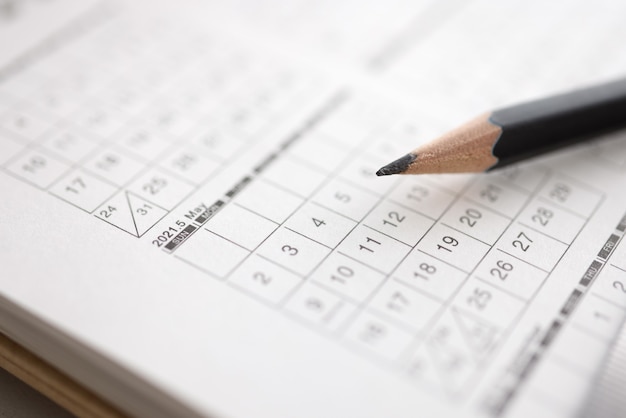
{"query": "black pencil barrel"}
pixel 537 127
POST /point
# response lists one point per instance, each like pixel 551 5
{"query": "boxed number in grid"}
pixel 264 279
pixel 25 123
pixel 321 307
pixel 406 306
pixel 508 273
pixel 471 219
pixel 346 199
pixel 611 284
pixel 531 246
pixel 398 222
pixel 374 249
pixel 189 164
pixel 130 213
pixel 114 166
pixel 551 220
pixel 100 120
pixel 422 197
pixel 293 251
pixel 491 305
pixel 498 196
pixel 453 247
pixel 320 224
pixel 427 274
pixel 38 168
pixel 69 143
pixel 378 337
pixel 347 277
pixel 161 188
pixel 598 317
pixel 82 190
pixel 571 195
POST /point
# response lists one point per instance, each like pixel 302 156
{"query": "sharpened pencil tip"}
pixel 398 166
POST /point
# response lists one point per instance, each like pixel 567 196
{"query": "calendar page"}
pixel 192 225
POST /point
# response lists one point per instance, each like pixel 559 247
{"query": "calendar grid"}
pixel 400 270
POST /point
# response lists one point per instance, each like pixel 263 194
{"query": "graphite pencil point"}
pixel 398 166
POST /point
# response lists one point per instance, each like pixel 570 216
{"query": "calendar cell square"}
pixel 524 176
pixel 453 247
pixel 427 274
pixel 128 96
pixel 420 368
pixel 298 178
pixel 571 195
pixel 113 166
pixel 488 303
pixel 143 143
pixel 160 188
pixel 8 149
pixel 293 251
pixel 345 199
pixel 212 253
pixel 320 224
pixel 373 248
pixel 100 120
pixel 261 197
pixel 37 168
pixel 246 121
pixel 317 151
pixel 58 101
pixel 422 197
pixel 241 226
pixel 378 337
pixel 264 279
pixel 506 272
pixel 24 123
pixel 173 121
pixel 189 164
pixel 611 285
pixel 472 219
pixel 320 307
pixel 347 277
pixel 551 220
pixel 497 195
pixel 598 317
pixel 83 190
pixel 589 351
pixel 398 222
pixel 531 246
pixel 362 172
pixel 452 348
pixel 69 144
pixel 218 142
pixel 399 302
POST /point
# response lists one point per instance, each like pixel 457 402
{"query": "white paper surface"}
pixel 188 193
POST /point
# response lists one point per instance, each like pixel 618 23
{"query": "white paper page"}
pixel 191 197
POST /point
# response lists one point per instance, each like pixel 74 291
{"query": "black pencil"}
pixel 509 135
